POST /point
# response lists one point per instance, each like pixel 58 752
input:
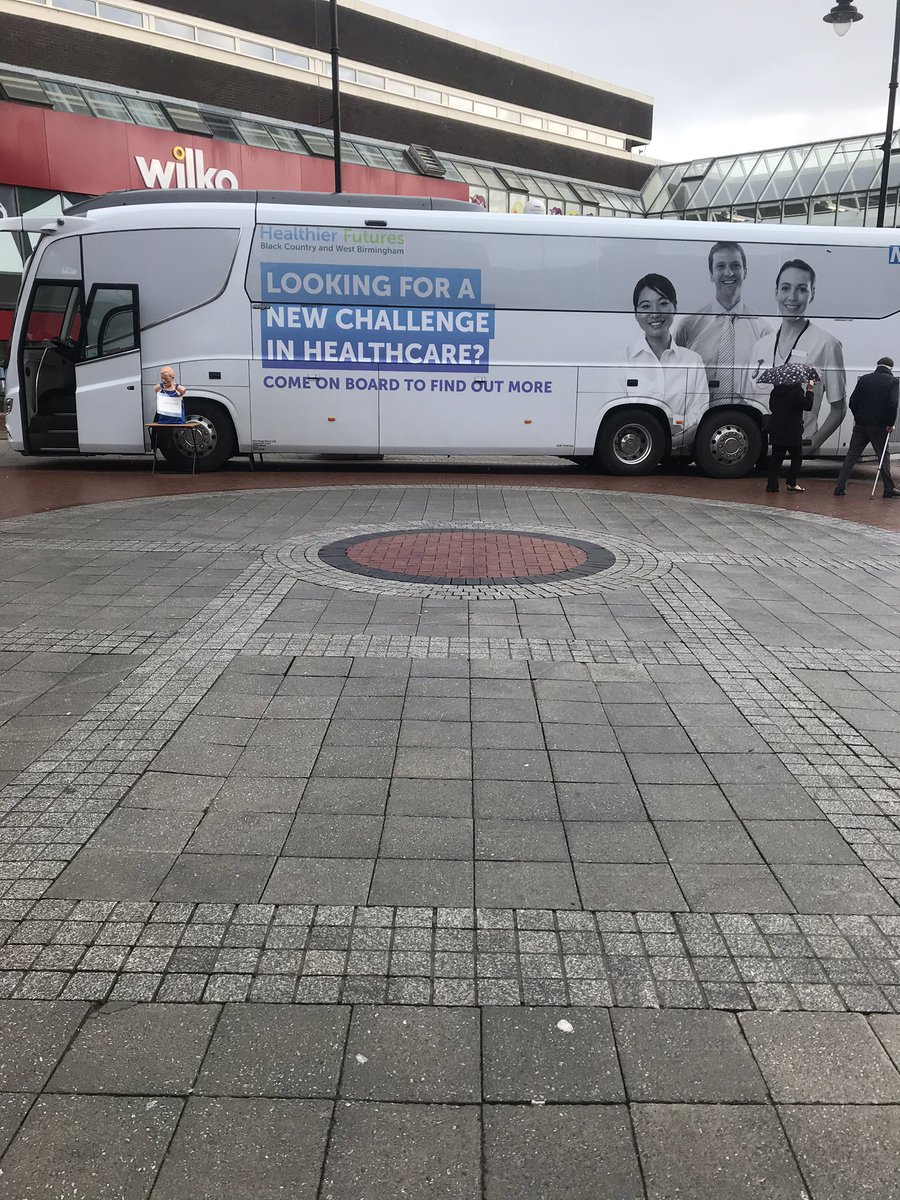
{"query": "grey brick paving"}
pixel 193 1099
pixel 715 806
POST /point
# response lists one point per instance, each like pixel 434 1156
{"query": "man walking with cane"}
pixel 874 408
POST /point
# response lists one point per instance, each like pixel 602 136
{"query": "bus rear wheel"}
pixel 215 439
pixel 630 442
pixel 728 444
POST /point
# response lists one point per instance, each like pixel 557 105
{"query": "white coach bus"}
pixel 313 323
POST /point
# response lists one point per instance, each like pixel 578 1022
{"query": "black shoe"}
pixel 839 491
pixel 895 495
pixel 771 489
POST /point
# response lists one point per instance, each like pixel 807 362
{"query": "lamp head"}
pixel 842 16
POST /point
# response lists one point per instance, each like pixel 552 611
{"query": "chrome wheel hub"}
pixel 632 444
pixel 204 438
pixel 729 444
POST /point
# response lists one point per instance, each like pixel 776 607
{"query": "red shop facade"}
pixel 49 157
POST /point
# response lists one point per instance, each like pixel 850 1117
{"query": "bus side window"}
pixel 111 325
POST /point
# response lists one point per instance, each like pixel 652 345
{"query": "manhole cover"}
pixel 471 557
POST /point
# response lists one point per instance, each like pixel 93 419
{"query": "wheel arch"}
pixel 651 407
pixel 715 411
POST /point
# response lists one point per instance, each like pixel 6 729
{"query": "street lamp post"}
pixel 841 18
pixel 336 96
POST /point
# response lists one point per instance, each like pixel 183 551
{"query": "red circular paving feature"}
pixel 466 555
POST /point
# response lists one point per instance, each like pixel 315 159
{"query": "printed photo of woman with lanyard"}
pixel 798 341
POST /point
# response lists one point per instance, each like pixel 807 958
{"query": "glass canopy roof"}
pixel 822 183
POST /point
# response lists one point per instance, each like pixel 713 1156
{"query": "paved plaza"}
pixel 332 871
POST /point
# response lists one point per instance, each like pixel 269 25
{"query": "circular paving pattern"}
pixel 472 557
pixel 392 560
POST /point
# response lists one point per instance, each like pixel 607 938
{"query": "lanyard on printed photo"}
pixel 793 348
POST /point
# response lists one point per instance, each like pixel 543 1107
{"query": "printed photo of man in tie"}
pixel 723 332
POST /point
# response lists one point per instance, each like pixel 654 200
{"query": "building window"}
pixel 185 119
pixel 122 16
pixel 255 134
pixel 23 89
pixel 576 131
pixel 372 156
pixel 219 41
pixel 176 29
pixel 350 153
pixel 398 160
pixel 510 115
pixel 255 50
pixel 222 127
pixel 66 98
pixel 429 95
pixel 490 177
pixel 557 127
pixel 460 103
pixel 584 194
pixel 299 62
pixel 105 104
pixel 87 7
pixel 286 139
pixel 531 122
pixel 146 112
pixel 366 79
pixel 347 74
pixel 470 175
pixel 486 110
pixel 511 180
pixel 400 88
pixel 319 144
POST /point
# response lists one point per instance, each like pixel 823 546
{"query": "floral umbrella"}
pixel 787 373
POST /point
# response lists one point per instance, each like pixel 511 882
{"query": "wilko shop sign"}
pixel 185 169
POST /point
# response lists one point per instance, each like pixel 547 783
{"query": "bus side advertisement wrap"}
pixel 324 314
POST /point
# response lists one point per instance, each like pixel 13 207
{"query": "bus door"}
pixel 108 403
pixel 47 365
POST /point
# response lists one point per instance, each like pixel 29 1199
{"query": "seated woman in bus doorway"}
pixel 659 369
pixel 800 342
pixel 169 399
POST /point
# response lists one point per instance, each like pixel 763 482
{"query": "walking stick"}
pixel 887 438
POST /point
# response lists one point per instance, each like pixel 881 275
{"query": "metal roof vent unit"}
pixel 426 162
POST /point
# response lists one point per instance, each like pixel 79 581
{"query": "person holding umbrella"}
pixel 793 392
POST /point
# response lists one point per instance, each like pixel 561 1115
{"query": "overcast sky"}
pixel 725 75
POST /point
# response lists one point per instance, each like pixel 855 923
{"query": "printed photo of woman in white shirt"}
pixel 658 368
pixel 798 340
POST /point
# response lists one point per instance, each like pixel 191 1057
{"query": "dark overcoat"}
pixel 787 404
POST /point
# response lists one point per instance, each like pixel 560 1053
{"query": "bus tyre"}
pixel 631 441
pixel 729 444
pixel 215 440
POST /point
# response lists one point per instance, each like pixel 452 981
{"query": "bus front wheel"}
pixel 630 442
pixel 215 440
pixel 728 445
